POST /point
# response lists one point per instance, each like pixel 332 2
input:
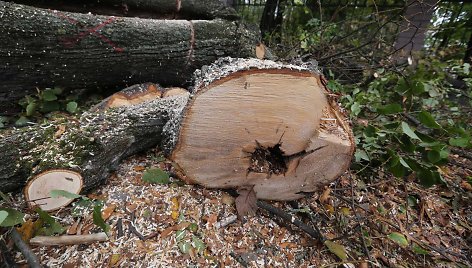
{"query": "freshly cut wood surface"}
pixel 38 190
pixel 272 128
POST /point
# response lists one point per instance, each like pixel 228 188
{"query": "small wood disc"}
pixel 38 190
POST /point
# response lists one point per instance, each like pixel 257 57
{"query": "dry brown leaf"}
pixel 73 229
pixel 114 259
pixel 108 211
pixel 466 186
pixel 138 168
pixel 246 202
pixel 177 227
pixel 27 230
pixel 60 130
pixel 325 196
pixel 285 245
pixel 212 219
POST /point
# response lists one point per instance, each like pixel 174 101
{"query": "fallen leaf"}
pixel 246 202
pixel 60 130
pixel 27 230
pixel 227 199
pixel 108 211
pixel 336 249
pixel 466 186
pixel 285 245
pixel 72 230
pixel 138 168
pixel 325 196
pixel 114 259
pixel 212 219
pixel 399 238
pixel 180 226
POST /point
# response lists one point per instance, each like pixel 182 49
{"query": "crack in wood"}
pixel 192 43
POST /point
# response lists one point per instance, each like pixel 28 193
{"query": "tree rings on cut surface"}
pixel 38 190
pixel 265 124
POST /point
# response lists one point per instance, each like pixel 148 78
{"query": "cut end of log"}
pixel 38 190
pixel 132 95
pixel 272 128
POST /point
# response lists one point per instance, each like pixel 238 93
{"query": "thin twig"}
pixel 284 215
pixel 30 257
pixel 364 245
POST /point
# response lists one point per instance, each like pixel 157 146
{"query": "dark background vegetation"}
pixel 403 68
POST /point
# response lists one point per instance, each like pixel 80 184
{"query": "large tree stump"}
pixel 263 124
pixel 47 48
pixel 249 123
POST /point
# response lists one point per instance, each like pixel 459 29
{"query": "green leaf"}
pixel 13 218
pixel 361 155
pixel 428 177
pixel 198 244
pixel 433 156
pixel 50 226
pixel 419 250
pixel 460 142
pixel 408 131
pixel 180 234
pixel 193 227
pixel 22 121
pixel 30 108
pixel 98 219
pixel 66 194
pixel 336 249
pixel 356 108
pixel 417 87
pixel 48 95
pixel 184 247
pixel 390 109
pixel 57 91
pixel 398 238
pixel 428 120
pixel 3 216
pixel 156 175
pixel 71 107
pixel 50 106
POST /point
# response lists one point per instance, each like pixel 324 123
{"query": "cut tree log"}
pixel 47 48
pixel 265 125
pixel 164 9
pixel 254 123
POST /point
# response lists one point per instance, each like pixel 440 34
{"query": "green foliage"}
pixel 399 239
pixel 45 101
pixel 156 175
pixel 49 226
pixel 404 128
pixel 98 219
pixel 10 217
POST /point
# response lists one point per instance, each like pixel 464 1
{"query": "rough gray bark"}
pixel 92 146
pixel 184 9
pixel 45 48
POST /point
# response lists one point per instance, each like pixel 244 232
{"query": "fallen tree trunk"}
pixel 46 48
pixel 250 122
pixel 177 9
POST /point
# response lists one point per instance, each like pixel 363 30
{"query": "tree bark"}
pixel 250 123
pixel 92 146
pixel 182 9
pixel 45 48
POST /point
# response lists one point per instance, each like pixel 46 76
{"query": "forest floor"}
pixel 382 222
